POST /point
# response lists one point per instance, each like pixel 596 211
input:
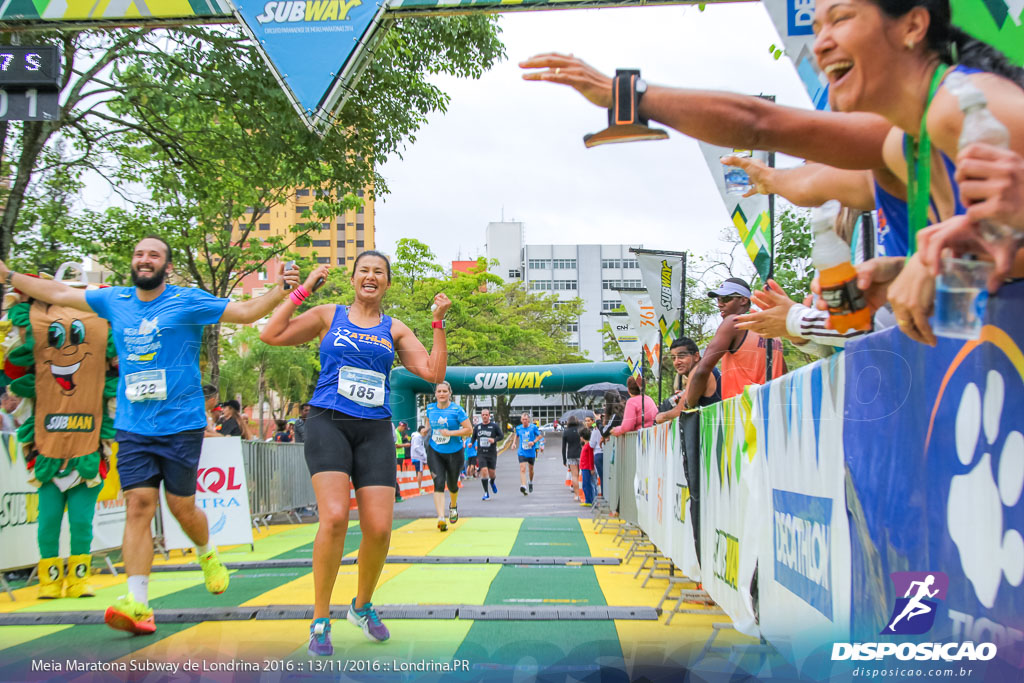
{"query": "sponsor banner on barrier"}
pixel 732 503
pixel 221 492
pixel 19 514
pixel 804 565
pixel 663 495
pixel 936 459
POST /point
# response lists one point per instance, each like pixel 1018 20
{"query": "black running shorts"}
pixel 487 460
pixel 362 448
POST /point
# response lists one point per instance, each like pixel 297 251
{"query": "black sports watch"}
pixel 624 121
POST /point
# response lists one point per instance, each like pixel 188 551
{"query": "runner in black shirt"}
pixel 486 436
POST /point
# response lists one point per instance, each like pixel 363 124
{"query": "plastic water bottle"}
pixel 847 307
pixel 980 125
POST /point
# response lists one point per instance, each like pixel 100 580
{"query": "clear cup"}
pixel 736 179
pixel 960 298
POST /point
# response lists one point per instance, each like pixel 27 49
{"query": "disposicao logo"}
pixel 913 614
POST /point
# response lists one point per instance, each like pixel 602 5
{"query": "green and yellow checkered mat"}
pixel 495 649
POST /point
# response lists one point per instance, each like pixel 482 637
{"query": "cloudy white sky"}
pixel 514 148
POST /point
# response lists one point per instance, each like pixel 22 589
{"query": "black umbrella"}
pixel 599 389
pixel 578 413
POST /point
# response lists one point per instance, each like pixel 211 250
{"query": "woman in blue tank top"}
pixel 349 440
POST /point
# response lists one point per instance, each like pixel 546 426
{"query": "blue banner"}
pixel 934 444
pixel 309 43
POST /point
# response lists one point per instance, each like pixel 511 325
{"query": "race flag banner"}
pixel 637 303
pixel 221 492
pixel 662 273
pixel 315 49
pixel 627 339
pixel 748 214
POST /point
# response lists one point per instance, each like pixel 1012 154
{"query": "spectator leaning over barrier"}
pixel 640 409
pixel 233 422
pixel 349 439
pixel 685 357
pixel 300 424
pixel 742 352
pixel 418 452
pixel 402 443
pixel 157 329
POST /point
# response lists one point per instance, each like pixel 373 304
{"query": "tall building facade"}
pixel 337 242
pixel 588 271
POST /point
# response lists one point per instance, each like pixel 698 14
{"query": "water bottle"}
pixel 830 255
pixel 980 125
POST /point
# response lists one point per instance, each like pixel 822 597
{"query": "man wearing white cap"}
pixel 742 352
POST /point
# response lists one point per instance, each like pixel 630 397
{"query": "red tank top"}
pixel 747 364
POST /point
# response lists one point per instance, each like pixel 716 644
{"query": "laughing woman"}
pixel 348 431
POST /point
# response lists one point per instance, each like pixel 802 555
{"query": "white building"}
pixel 587 271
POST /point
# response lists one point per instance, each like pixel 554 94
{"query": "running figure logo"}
pixel 915 612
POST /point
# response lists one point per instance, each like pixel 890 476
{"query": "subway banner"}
pixel 19 512
pixel 934 443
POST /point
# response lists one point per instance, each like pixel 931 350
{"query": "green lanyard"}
pixel 918 154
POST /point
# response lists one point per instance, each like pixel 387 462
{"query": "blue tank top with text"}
pixel 355 368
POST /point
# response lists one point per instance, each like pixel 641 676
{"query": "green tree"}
pixel 215 143
pixel 264 374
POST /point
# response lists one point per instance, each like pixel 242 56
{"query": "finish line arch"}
pixel 497 379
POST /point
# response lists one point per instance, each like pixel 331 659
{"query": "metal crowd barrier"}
pixel 279 482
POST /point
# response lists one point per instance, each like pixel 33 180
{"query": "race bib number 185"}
pixel 362 386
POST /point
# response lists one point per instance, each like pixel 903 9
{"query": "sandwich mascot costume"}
pixel 63 364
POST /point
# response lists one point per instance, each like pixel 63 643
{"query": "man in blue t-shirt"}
pixel 526 437
pixel 157 329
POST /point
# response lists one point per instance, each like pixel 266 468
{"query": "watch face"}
pixel 641 85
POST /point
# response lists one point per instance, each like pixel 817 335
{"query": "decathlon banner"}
pixel 748 214
pixel 221 492
pixel 804 565
pixel 637 303
pixel 627 339
pixel 662 273
pixel 732 505
pixel 936 459
pixel 19 514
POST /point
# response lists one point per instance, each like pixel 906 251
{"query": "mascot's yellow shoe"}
pixel 214 572
pixel 51 578
pixel 131 616
pixel 79 570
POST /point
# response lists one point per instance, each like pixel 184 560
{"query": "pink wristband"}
pixel 303 292
pixel 296 299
